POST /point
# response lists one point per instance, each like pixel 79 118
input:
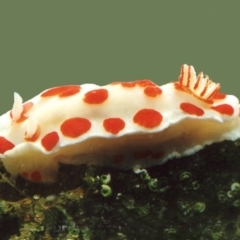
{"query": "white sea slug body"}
pixel 120 125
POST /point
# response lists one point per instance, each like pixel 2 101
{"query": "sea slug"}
pixel 120 125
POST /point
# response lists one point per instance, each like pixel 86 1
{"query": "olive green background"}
pixel 46 43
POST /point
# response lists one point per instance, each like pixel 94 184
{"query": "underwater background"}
pixel 57 42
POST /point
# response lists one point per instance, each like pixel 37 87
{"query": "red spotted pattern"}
pixel 75 127
pixel 148 118
pixel 140 83
pixel 113 125
pixel 128 84
pixel 224 109
pixel 152 91
pixel 5 145
pixel 62 91
pixel 50 140
pixel 191 109
pixel 145 83
pixel 96 96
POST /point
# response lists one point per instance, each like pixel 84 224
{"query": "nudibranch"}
pixel 119 125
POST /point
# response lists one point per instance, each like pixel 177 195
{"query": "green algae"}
pixel 195 197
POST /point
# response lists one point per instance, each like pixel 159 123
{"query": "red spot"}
pixel 128 84
pixel 26 107
pixel 158 154
pixel 118 158
pixel 125 84
pixel 96 96
pixel 219 96
pixel 5 145
pixel 62 91
pixel 145 83
pixel 142 154
pixel 50 140
pixel 141 83
pixel 36 176
pixel 113 125
pixel 152 91
pixel 35 136
pixel 75 127
pixel 224 109
pixel 148 118
pixel 191 109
